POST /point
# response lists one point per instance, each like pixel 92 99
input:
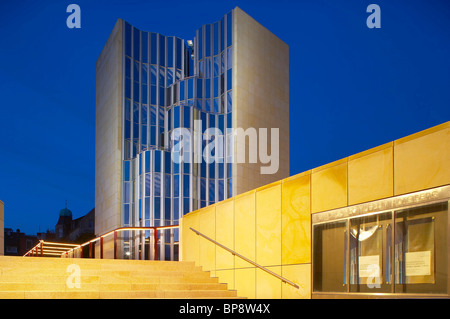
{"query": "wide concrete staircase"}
pixel 41 277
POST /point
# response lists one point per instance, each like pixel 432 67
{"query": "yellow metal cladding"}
pixel 225 233
pixel 371 174
pixel 329 186
pixel 271 225
pixel 207 250
pixel 245 227
pixel 422 160
pixel 296 219
pixel 268 219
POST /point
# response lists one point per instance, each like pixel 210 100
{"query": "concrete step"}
pixel 41 277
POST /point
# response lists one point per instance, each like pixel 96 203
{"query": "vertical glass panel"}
pixel 157 209
pixel 126 170
pixel 370 246
pixel 144 92
pixel 144 42
pixel 329 257
pixel 421 249
pixel 216 86
pixel 182 90
pixel 127 39
pixel 178 53
pixel 186 192
pixel 144 114
pixel 208 67
pixel 176 209
pixel 190 88
pixel 148 182
pixel 207 88
pixel 202 189
pixel 207 40
pixel 221 189
pixel 162 50
pixel 157 161
pixel 230 101
pixel 157 185
pixel 229 29
pixel 212 168
pixel 153 74
pixel 216 38
pixel 167 162
pixel 176 117
pixel 128 88
pixel 153 48
pixel 199 88
pixel 222 34
pixel 136 91
pixel 147 208
pixel 186 208
pixel 143 136
pixel 167 185
pixel 127 67
pixel 126 192
pixel 200 43
pixel 176 185
pixel 170 52
pixel 126 214
pixel 136 44
pixel 144 72
pixel 187 116
pixel 229 58
pixel 147 162
pixel 169 77
pixel 167 209
pixel 212 191
pixel 229 80
pixel 216 65
pixel 162 99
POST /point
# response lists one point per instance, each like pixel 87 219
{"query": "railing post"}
pixel 101 247
pixel 81 251
pixel 90 250
pixel 155 243
pixel 115 244
pixel 42 248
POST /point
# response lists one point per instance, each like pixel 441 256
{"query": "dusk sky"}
pixel 351 87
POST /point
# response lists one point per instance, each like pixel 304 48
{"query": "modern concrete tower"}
pixel 233 75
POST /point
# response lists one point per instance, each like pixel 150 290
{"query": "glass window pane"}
pixel 370 246
pixel 200 43
pixel 162 50
pixel 144 40
pixel 136 44
pixel 421 249
pixel 127 39
pixel 329 257
pixel 153 47
pixel 229 28
pixel 170 52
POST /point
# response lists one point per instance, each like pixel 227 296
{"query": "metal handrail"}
pixel 114 232
pixel 39 249
pixel 45 248
pixel 246 259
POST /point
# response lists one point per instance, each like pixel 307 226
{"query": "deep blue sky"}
pixel 351 87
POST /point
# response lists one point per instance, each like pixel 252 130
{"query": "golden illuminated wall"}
pixel 271 225
pixel 2 225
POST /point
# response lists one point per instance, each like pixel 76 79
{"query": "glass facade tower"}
pixel 151 89
pixel 170 84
